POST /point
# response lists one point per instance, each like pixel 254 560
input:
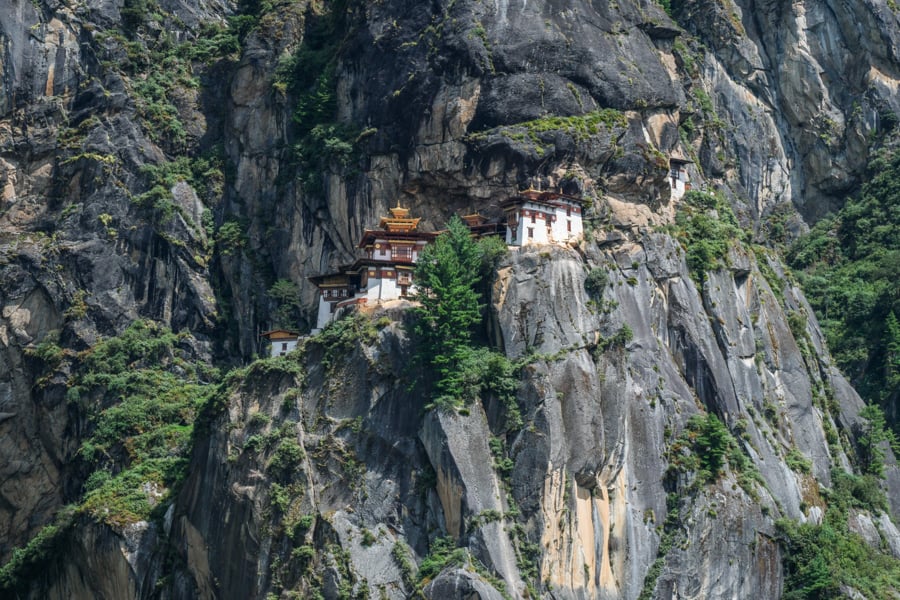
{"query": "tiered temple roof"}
pixel 397 227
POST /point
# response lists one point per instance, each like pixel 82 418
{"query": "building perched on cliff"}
pixel 391 251
pixel 386 272
pixel 535 217
pixel 678 177
pixel 481 226
pixel 282 340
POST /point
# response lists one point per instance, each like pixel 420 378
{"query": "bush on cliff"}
pixel 706 226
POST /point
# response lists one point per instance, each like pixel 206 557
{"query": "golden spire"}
pixel 399 220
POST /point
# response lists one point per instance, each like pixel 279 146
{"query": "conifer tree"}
pixel 447 273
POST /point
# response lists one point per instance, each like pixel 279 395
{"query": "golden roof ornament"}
pixel 399 221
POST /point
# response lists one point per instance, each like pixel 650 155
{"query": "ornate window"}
pixel 402 253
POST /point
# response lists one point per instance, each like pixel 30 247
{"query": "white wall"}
pixel 389 289
pixel 324 313
pixel 539 227
pixel 381 289
pixel 559 232
pixel 678 179
pixel 509 237
pixel 677 188
pixel 281 347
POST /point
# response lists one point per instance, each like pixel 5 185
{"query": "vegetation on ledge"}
pixel 706 227
pixel 142 393
pixel 706 447
pixel 143 396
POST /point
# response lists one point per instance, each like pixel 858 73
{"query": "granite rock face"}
pixel 110 212
pixel 579 509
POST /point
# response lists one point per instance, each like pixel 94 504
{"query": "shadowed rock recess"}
pixel 172 171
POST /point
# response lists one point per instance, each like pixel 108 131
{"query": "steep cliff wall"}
pixel 163 161
pixel 581 507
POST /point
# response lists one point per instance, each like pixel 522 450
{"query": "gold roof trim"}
pixel 399 221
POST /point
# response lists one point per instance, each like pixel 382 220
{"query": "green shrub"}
pixel 797 461
pixel 820 559
pixel 214 42
pixel 305 522
pixel 368 538
pixel 596 281
pixel 443 553
pixel 580 127
pixel 230 237
pixel 341 336
pixel 872 433
pixel 285 459
pixel 286 295
pixel 857 491
pixel 711 442
pixel 134 493
pixel 26 563
pixel 400 554
pixel 48 351
pixel 706 446
pixel 303 553
pixel 797 325
pixel 706 226
pixel 259 419
pixel 619 339
pixel 142 425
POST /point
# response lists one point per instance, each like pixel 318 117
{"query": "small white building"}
pixel 282 341
pixel 678 177
pixel 386 273
pixel 535 217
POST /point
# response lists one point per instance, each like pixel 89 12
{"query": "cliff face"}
pixel 152 168
pixel 575 501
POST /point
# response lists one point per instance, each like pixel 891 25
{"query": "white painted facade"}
pixel 281 341
pixel 324 315
pixel 537 222
pixel 282 347
pixel 378 289
pixel 382 288
pixel 678 179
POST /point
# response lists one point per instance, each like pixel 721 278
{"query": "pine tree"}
pixel 447 273
pixel 872 431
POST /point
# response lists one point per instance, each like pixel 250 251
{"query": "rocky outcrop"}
pixel 172 188
pixel 102 564
pixel 813 84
